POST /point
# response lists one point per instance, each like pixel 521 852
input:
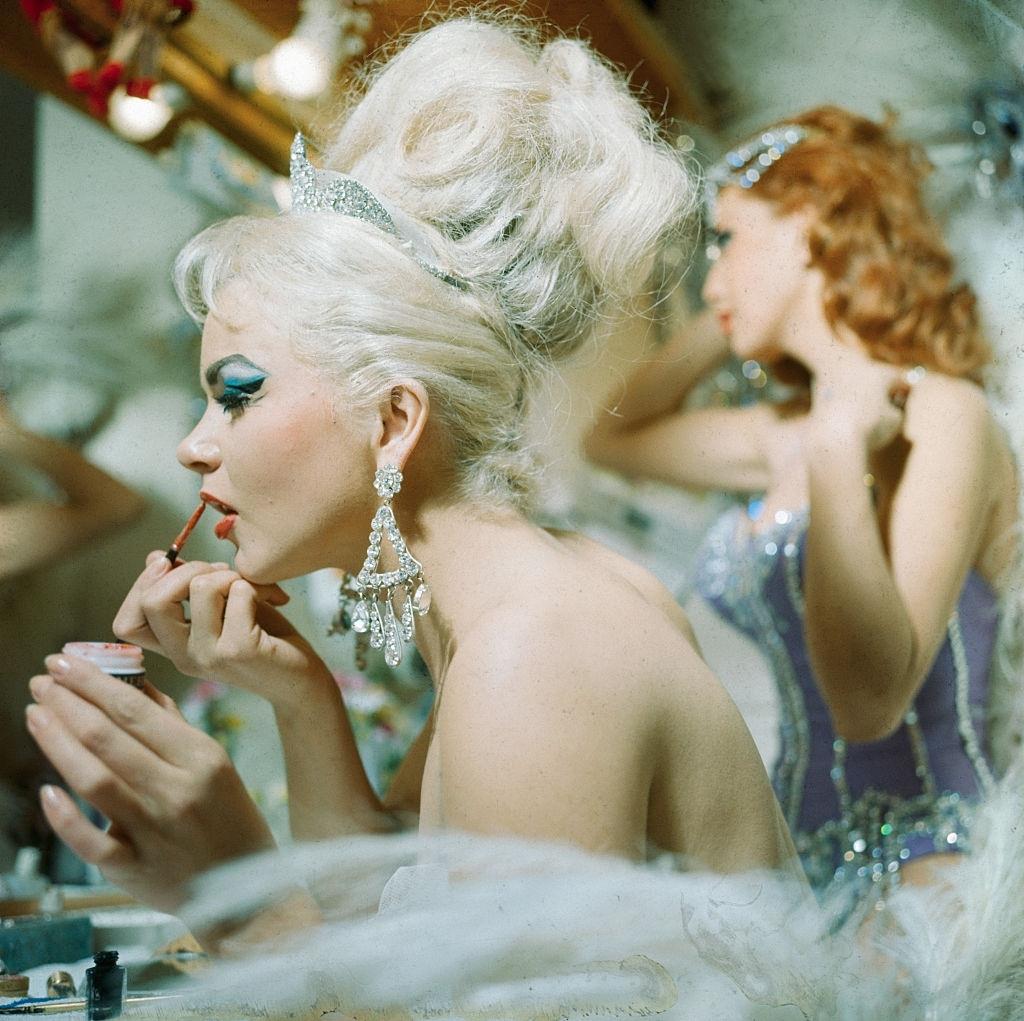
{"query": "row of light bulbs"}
pixel 300 67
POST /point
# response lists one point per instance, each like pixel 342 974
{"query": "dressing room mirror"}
pixel 104 181
pixel 99 373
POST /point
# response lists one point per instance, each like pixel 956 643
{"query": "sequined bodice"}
pixel 860 808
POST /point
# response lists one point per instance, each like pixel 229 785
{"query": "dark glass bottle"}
pixel 106 984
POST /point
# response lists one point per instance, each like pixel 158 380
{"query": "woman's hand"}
pixel 176 804
pixel 855 397
pixel 233 633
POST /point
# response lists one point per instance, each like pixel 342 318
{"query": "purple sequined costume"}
pixel 857 811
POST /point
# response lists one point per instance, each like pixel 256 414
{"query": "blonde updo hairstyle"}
pixel 538 178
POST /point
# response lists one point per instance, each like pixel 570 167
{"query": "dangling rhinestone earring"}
pixel 366 601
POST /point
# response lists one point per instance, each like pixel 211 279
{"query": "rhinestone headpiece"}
pixel 745 164
pixel 316 190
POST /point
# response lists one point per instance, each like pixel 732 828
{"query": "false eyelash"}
pixel 238 396
pixel 234 400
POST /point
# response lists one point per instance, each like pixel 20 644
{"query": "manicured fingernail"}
pixel 50 795
pixel 58 666
pixel 36 717
pixel 40 685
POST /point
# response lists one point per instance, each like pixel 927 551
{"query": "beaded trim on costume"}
pixel 871 841
pixel 739 583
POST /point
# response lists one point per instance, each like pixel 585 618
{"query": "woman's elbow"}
pixel 120 506
pixel 130 506
pixel 874 696
pixel 873 717
pixel 864 731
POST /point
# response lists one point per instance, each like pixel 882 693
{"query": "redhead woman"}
pixel 883 495
pixel 369 360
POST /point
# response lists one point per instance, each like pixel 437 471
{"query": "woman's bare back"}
pixel 581 711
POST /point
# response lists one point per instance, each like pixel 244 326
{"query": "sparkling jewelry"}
pixel 316 190
pixel 381 607
pixel 747 163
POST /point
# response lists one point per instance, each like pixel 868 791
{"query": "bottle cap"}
pixel 110 657
pixel 60 985
pixel 14 985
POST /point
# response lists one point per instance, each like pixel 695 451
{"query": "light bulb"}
pixel 299 68
pixel 137 119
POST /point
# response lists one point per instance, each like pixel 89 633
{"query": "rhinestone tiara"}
pixel 744 165
pixel 316 190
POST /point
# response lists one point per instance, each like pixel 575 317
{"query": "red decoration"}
pixel 131 58
pixel 35 9
pixel 140 87
pixel 81 81
pixel 110 75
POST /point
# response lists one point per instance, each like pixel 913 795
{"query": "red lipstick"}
pixel 226 523
pixel 175 548
pixel 223 527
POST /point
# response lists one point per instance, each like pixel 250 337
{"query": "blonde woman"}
pixel 372 356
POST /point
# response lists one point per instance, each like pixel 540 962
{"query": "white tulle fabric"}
pixel 453 927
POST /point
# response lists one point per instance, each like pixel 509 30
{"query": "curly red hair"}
pixel 888 273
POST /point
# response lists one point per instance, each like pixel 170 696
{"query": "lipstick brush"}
pixel 175 548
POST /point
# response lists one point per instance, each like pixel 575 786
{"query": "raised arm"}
pixel 644 433
pixel 36 531
pixel 877 611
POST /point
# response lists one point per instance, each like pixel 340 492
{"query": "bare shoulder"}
pixel 955 436
pixel 545 728
pixel 647 586
pixel 948 407
pixel 588 645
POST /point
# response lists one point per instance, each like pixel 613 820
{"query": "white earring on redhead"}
pixel 366 601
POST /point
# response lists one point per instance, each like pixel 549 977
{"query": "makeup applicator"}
pixel 175 548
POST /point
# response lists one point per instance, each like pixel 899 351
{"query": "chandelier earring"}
pixel 382 607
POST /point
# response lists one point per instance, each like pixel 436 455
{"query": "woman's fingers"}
pixel 111 744
pixel 153 616
pixel 159 589
pixel 208 596
pixel 87 840
pixel 83 771
pixel 241 631
pixel 273 594
pixel 130 622
pixel 161 605
pixel 127 708
pixel 277 625
pixel 227 617
pixel 162 699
